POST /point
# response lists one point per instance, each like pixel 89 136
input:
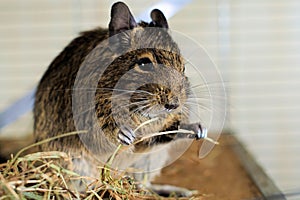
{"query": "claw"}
pixel 126 136
pixel 202 133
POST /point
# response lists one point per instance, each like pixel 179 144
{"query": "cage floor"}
pixel 220 175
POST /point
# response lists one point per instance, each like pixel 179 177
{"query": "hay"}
pixel 38 176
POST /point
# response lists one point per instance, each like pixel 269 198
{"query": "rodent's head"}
pixel 151 70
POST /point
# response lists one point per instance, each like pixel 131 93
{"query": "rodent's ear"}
pixel 158 19
pixel 121 19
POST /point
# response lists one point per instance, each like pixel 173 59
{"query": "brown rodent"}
pixel 153 80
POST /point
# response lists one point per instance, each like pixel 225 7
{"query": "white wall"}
pixel 264 89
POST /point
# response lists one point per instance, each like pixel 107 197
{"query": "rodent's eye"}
pixel 145 64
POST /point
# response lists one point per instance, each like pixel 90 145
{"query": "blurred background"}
pixel 255 44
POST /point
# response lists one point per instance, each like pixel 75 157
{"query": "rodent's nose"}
pixel 171 106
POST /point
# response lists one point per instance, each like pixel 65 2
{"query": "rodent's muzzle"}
pixel 155 99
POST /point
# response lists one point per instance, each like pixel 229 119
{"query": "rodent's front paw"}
pixel 196 128
pixel 126 136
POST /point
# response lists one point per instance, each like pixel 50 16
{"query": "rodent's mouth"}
pixel 159 112
pixel 149 115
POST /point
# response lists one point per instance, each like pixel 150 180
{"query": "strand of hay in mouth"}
pixel 182 131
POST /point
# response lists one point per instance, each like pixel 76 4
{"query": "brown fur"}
pixel 53 112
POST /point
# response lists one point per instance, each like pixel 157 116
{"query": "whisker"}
pixel 147 111
pixel 214 106
pixel 198 99
pixel 202 106
pixel 189 111
pixel 95 89
pixel 208 85
pixel 111 89
pixel 130 91
pixel 139 109
pixel 143 100
pixel 133 103
pixel 144 123
pixel 192 103
pixel 209 97
pixel 216 91
pixel 93 107
pixel 84 111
